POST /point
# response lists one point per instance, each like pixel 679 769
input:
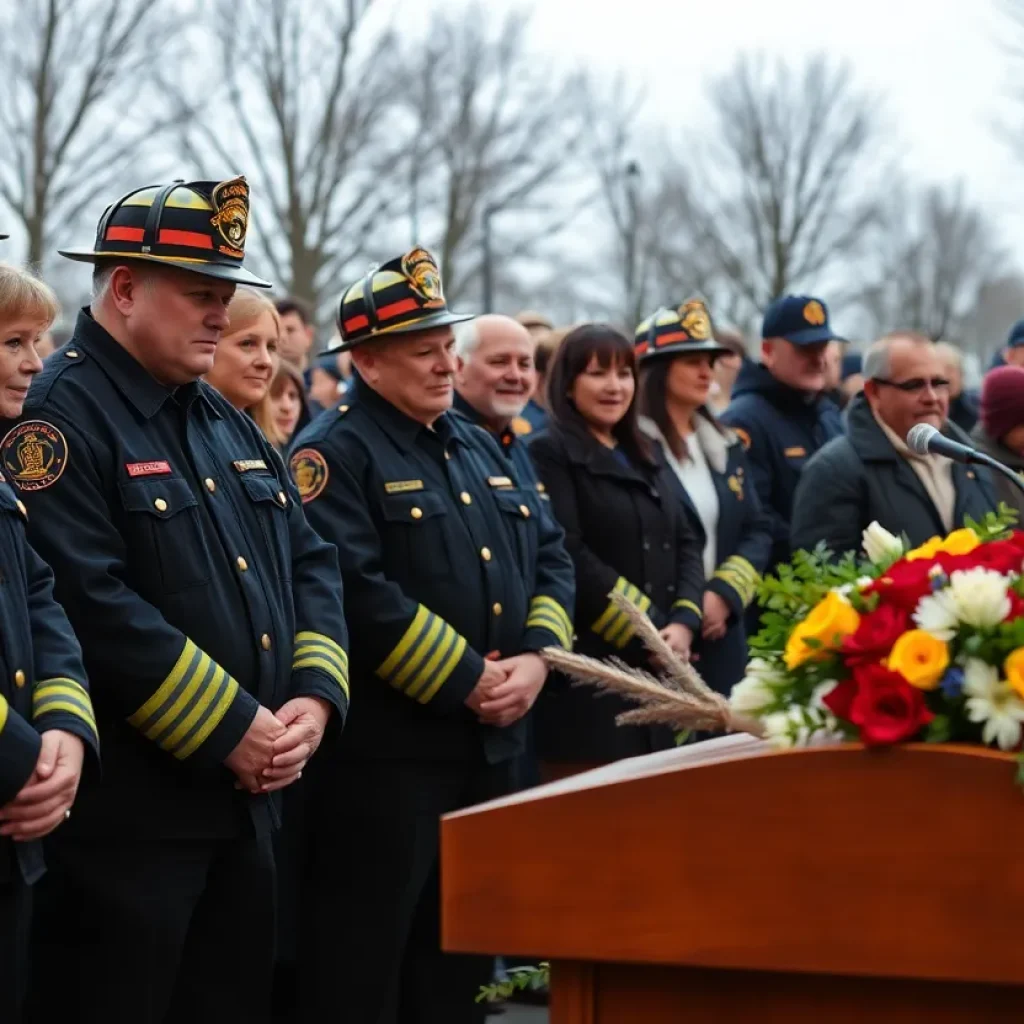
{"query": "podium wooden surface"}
pixel 724 882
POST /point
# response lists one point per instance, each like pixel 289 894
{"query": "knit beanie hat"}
pixel 1002 400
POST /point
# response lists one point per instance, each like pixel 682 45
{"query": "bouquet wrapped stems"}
pixel 678 697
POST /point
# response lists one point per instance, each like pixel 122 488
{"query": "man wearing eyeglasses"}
pixel 870 474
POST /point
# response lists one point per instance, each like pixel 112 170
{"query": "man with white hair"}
pixel 871 475
pixel 494 380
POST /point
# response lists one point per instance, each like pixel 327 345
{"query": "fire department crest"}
pixel 695 320
pixel 814 313
pixel 309 471
pixel 35 453
pixel 420 268
pixel 231 215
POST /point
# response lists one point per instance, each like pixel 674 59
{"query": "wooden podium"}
pixel 726 883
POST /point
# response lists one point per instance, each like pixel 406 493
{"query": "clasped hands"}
pixel 277 746
pixel 507 688
pixel 45 800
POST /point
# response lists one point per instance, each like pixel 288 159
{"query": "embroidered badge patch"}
pixel 795 453
pixel 501 482
pixel 424 277
pixel 159 468
pixel 736 486
pixel 693 316
pixel 35 454
pixel 247 465
pixel 231 215
pixel 309 470
pixel 814 313
pixel 402 486
pixel 521 425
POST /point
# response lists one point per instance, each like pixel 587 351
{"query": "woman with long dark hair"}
pixel 676 350
pixel 626 530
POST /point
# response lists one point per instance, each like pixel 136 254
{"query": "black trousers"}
pixel 154 931
pixel 15 917
pixel 370 940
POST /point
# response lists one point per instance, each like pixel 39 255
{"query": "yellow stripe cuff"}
pixel 62 694
pixel 614 626
pixel 328 665
pixel 320 640
pixel 4 708
pixel 424 658
pixel 547 613
pixel 688 604
pixel 188 705
pixel 314 650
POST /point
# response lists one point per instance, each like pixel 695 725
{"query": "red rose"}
pixel 877 632
pixel 840 699
pixel 886 708
pixel 1016 606
pixel 1001 555
pixel 904 584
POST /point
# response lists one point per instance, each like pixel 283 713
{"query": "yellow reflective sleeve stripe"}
pixel 4 708
pixel 424 658
pixel 315 650
pixel 614 626
pixel 547 613
pixel 62 694
pixel 739 574
pixel 690 605
pixel 188 705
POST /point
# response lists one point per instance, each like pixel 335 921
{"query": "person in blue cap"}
pixel 1012 354
pixel 779 409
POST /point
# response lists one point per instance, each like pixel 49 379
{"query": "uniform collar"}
pixel 506 437
pixel 402 429
pixel 131 378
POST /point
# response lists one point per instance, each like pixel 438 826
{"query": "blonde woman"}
pixel 46 716
pixel 281 411
pixel 247 351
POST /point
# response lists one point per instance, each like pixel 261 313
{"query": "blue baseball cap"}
pixel 1016 338
pixel 800 319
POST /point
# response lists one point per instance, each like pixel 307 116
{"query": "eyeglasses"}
pixel 915 384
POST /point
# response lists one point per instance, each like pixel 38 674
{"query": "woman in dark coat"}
pixel 676 350
pixel 626 530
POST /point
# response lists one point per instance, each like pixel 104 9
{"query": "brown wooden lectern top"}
pixel 906 862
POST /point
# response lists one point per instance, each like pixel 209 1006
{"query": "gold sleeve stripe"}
pixel 690 605
pixel 613 625
pixel 4 707
pixel 547 613
pixel 739 574
pixel 62 694
pixel 314 650
pixel 188 705
pixel 424 658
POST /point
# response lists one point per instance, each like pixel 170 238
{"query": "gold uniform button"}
pixel 265 642
pixel 71 354
pixel 211 485
pixel 466 498
pixel 281 498
pixel 525 511
pixel 342 408
pixel 485 554
pixel 19 678
pixel 416 512
pixel 160 505
pixel 496 608
pixel 241 563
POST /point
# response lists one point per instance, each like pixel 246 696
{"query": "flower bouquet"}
pixel 899 644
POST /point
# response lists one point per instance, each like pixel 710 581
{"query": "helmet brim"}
pixel 686 348
pixel 442 318
pixel 220 271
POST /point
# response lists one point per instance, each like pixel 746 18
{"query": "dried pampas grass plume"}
pixel 679 698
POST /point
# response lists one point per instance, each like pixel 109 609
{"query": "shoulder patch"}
pixel 743 436
pixel 35 453
pixel 309 470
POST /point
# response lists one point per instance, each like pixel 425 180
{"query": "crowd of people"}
pixel 214 537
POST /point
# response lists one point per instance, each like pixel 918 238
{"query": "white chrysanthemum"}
pixel 821 691
pixel 974 597
pixel 880 545
pixel 785 728
pixel 750 696
pixel 991 700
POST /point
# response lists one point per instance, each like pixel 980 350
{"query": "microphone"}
pixel 924 439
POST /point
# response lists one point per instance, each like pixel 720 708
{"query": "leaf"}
pixel 939 730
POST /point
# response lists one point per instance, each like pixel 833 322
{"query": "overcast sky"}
pixel 937 65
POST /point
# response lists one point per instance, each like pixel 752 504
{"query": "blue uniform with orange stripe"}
pixel 199 592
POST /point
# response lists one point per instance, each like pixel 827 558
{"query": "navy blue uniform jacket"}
pixel 195 585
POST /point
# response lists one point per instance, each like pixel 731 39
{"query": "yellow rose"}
pixel 1013 669
pixel 920 658
pixel 960 542
pixel 829 622
pixel 929 549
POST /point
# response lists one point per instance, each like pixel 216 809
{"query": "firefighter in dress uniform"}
pixel 453 580
pixel 210 619
pixel 46 715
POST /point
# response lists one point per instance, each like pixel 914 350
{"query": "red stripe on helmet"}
pixel 121 234
pixel 191 239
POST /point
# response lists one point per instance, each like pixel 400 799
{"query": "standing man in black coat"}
pixel 871 474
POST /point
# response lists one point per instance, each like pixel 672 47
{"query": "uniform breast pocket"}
pixel 165 534
pixel 270 507
pixel 520 511
pixel 415 534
